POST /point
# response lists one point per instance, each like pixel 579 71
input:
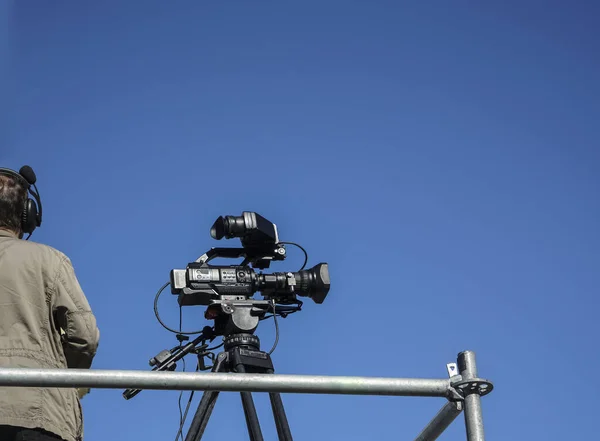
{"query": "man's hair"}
pixel 13 195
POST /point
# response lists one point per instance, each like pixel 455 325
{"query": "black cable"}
pixel 276 328
pixel 158 316
pixel 187 408
pixel 181 419
pixel 303 250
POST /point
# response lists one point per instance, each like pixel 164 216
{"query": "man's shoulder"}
pixel 40 250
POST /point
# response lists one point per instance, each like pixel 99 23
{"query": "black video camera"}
pixel 228 290
pixel 204 284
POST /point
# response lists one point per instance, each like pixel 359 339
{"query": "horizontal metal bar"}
pixel 441 421
pixel 308 384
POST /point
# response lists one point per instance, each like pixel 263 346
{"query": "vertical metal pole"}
pixel 473 415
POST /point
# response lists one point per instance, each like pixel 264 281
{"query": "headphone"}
pixel 31 218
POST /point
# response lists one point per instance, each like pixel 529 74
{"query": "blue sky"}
pixel 442 158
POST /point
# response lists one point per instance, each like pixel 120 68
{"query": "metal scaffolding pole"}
pixel 234 382
pixel 441 421
pixel 463 389
pixel 473 391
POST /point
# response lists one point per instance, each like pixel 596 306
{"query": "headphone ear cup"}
pixel 29 217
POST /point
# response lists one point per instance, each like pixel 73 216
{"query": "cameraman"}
pixel 45 320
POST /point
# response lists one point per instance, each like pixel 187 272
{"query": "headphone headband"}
pixel 14 174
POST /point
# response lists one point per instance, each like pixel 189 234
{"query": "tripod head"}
pixel 232 319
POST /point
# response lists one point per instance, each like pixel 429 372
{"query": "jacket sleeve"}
pixel 73 315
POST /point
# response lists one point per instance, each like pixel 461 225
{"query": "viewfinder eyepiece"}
pixel 254 230
pixel 228 226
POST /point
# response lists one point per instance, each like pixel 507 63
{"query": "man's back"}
pixel 39 296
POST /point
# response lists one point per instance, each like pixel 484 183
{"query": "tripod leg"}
pixel 251 417
pixel 202 415
pixel 281 422
pixel 250 411
pixel 205 407
pixel 283 428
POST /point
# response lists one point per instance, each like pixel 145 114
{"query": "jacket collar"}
pixel 6 233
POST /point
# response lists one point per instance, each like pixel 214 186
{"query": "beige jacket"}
pixel 39 295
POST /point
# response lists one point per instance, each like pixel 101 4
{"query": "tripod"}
pixel 236 320
pixel 241 354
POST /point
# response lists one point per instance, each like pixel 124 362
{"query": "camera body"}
pixel 203 284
